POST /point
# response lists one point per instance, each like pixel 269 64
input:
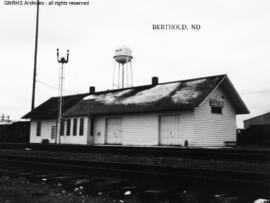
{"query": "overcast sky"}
pixel 233 39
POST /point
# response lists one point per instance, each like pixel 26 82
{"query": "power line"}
pixel 56 88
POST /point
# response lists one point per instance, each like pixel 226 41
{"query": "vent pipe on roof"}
pixel 154 80
pixel 92 90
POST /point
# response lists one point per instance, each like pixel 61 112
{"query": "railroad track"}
pixel 129 170
pixel 233 154
pixel 244 181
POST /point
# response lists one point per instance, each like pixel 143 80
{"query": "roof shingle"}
pixel 170 96
pixel 49 109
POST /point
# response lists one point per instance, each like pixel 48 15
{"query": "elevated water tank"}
pixel 123 55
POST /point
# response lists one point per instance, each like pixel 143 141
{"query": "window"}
pixel 53 132
pixel 75 126
pixel 38 128
pixel 68 127
pixel 81 126
pixel 62 127
pixel 216 110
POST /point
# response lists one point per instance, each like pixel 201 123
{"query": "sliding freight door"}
pixel 113 130
pixel 169 130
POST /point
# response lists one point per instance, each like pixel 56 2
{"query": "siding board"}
pixel 46 127
pixel 144 129
pixel 214 129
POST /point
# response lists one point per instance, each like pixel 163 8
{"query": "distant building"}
pixel 197 112
pixel 16 132
pixel 256 132
pixel 263 119
pixel 4 120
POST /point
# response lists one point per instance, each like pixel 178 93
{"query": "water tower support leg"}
pixel 127 73
pixel 118 85
pixel 123 76
pixel 131 73
pixel 113 83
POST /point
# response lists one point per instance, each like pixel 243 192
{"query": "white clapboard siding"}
pixel 46 129
pixel 45 133
pixel 214 129
pixel 143 129
pixel 187 126
pixel 33 128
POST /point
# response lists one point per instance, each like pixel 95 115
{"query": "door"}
pixel 113 130
pixel 90 131
pixel 169 130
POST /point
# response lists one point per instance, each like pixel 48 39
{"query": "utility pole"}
pixel 61 61
pixel 35 60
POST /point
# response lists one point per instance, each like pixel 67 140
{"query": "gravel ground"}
pixel 22 191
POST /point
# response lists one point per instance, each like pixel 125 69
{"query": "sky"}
pixel 233 40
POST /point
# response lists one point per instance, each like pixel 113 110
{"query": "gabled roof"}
pixel 49 109
pixel 234 97
pixel 170 96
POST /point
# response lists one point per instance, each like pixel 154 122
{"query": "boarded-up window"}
pixel 62 127
pixel 75 126
pixel 81 126
pixel 68 127
pixel 38 128
pixel 216 110
pixel 216 105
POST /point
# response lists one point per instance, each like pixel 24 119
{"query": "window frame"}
pixel 81 127
pixel 62 128
pixel 53 132
pixel 216 110
pixel 68 126
pixel 38 130
pixel 75 126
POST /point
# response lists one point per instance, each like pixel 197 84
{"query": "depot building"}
pixel 195 112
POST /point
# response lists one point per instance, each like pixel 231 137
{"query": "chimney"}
pixel 92 89
pixel 154 80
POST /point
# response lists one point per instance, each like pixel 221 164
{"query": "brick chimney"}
pixel 92 89
pixel 154 80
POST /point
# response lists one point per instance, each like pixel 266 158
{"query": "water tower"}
pixel 122 70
